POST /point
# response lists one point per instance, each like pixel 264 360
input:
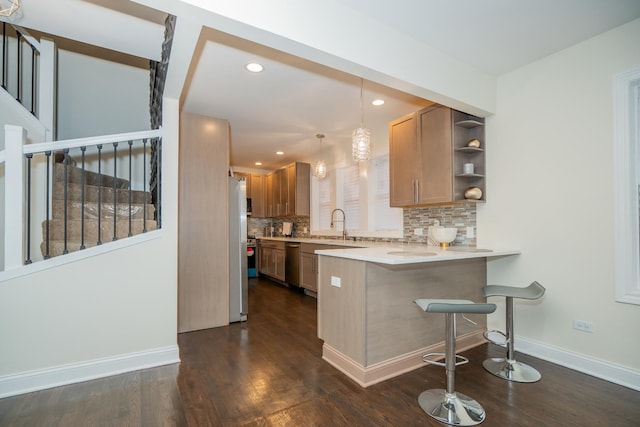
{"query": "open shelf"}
pixel 470 150
pixel 469 123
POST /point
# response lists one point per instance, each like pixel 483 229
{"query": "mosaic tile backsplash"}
pixel 460 216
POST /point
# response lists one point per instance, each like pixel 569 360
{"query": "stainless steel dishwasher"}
pixel 292 264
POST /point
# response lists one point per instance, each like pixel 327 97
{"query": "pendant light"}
pixel 10 8
pixel 320 171
pixel 361 137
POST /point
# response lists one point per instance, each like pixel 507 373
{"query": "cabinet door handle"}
pixel 417 196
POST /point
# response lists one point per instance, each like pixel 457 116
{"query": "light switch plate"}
pixel 336 281
pixel 471 232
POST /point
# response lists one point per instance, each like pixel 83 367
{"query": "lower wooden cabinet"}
pixel 309 263
pixel 309 271
pixel 271 259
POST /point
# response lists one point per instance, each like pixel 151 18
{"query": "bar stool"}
pixel 509 368
pixel 447 406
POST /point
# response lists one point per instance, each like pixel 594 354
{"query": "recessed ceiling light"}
pixel 280 153
pixel 254 67
pixel 378 102
pixel 258 163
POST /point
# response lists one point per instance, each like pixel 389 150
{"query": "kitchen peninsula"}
pixel 370 326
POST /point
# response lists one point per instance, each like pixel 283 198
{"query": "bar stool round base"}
pixel 455 409
pixel 512 371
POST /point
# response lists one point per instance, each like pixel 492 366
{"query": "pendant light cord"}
pixel 361 108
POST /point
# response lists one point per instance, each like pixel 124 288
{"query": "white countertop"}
pixel 398 253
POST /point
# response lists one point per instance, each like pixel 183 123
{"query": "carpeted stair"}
pixel 96 187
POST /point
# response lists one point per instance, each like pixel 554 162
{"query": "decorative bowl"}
pixel 443 235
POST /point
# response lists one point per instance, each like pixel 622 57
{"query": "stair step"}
pixel 74 229
pixel 74 210
pixel 74 175
pixel 74 192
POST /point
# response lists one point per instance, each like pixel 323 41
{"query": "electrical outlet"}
pixel 583 325
pixel 336 281
pixel 418 231
pixel 304 230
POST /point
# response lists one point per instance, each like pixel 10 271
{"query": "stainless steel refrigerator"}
pixel 238 273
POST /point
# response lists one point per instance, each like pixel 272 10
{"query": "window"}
pixel 362 191
pixel 384 217
pixel 627 186
pixel 325 202
pixel 351 196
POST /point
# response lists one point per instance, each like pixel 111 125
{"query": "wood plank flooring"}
pixel 268 372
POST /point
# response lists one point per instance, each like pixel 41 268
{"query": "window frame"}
pixel 626 145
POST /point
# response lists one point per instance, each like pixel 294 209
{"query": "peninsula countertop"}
pixel 398 253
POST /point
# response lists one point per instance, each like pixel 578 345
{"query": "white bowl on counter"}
pixel 443 235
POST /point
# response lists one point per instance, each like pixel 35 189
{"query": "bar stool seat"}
pixel 447 406
pixel 508 368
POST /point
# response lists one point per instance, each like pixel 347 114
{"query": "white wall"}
pixel 98 97
pixel 550 193
pixel 108 313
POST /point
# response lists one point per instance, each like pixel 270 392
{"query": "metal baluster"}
pixel 66 198
pixel 144 185
pixel 5 52
pixel 130 195
pixel 33 79
pixel 99 242
pixel 115 192
pixel 47 239
pixel 28 259
pixel 82 181
pixel 19 47
pixel 159 180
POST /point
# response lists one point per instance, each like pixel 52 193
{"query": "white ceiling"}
pixel 293 99
pixel 286 105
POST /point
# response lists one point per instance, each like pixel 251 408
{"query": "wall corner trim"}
pixel 11 385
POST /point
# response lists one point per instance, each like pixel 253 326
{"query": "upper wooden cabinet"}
pixel 427 151
pixel 285 192
pixel 258 201
pixel 298 190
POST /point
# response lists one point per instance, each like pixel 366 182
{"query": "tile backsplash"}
pixel 460 216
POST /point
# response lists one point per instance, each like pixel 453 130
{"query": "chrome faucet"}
pixel 344 222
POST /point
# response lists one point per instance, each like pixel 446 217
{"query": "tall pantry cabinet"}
pixel 203 235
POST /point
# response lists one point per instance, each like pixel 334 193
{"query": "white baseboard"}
pixel 591 366
pixel 11 385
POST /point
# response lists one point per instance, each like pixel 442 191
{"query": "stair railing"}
pixel 36 174
pixel 28 73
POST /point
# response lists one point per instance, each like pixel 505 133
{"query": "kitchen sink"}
pixel 410 253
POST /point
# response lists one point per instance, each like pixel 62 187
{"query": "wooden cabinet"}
pixel 203 229
pixel 271 259
pixel 298 189
pixel 465 129
pixel 427 151
pixel 286 191
pixel 258 202
pixel 309 263
pixel 308 269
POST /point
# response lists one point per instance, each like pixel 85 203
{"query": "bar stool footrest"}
pixel 427 358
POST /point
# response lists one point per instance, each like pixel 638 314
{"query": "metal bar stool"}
pixel 447 406
pixel 509 368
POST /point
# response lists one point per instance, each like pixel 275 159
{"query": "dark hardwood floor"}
pixel 268 372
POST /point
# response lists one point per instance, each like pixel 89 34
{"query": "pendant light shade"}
pixel 361 138
pixel 8 8
pixel 320 171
